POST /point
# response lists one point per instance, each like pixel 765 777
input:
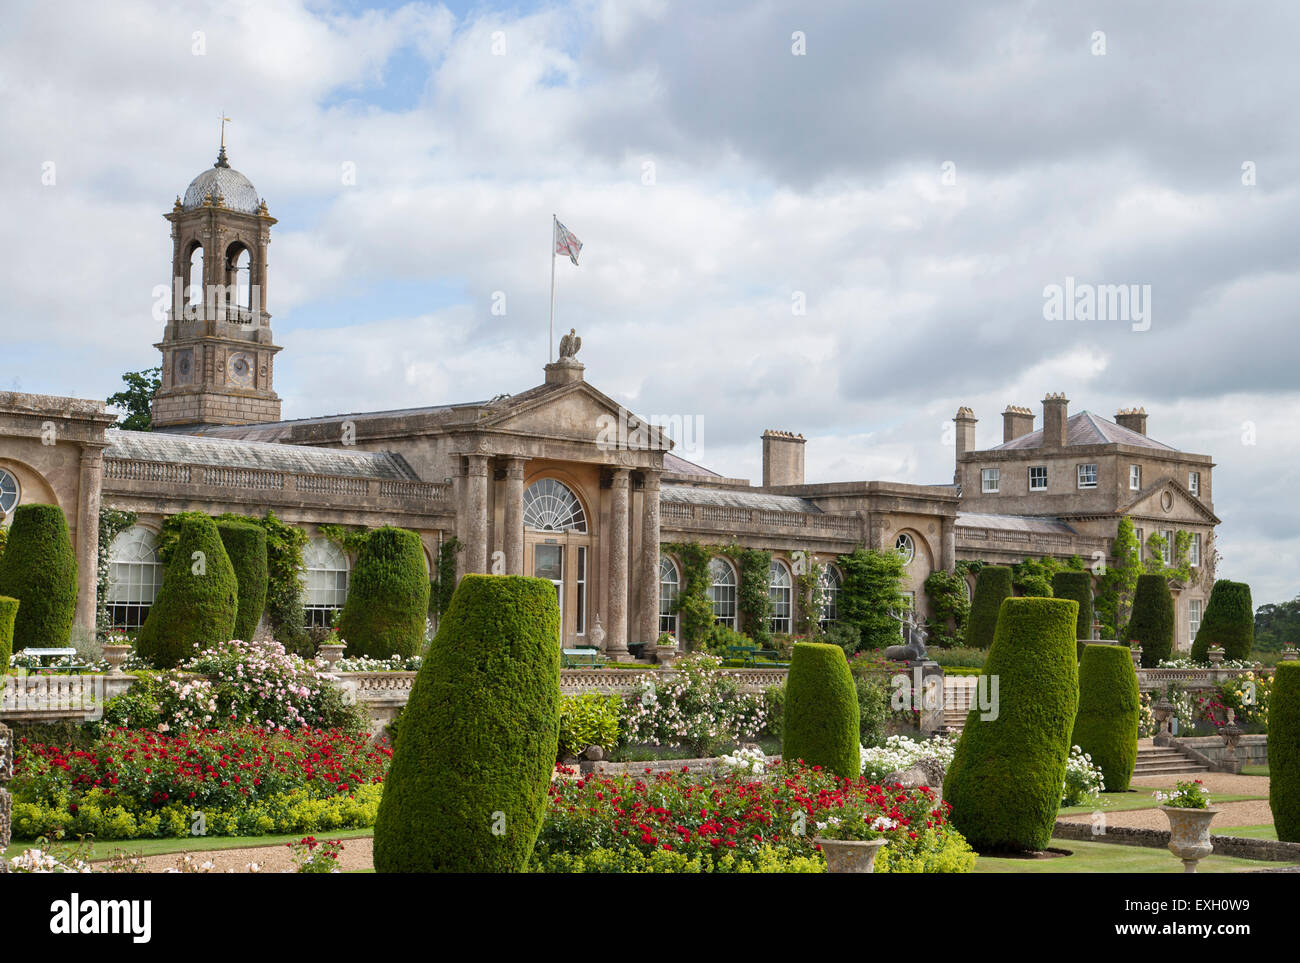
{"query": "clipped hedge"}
pixel 467 788
pixel 1152 622
pixel 590 719
pixel 1005 780
pixel 1107 724
pixel 39 569
pixel 820 725
pixel 388 596
pixel 245 544
pixel 1229 621
pixel 1284 752
pixel 199 599
pixel 992 585
pixel 8 612
pixel 1078 586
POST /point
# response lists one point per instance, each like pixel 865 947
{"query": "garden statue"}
pixel 598 635
pixel 569 345
pixel 914 649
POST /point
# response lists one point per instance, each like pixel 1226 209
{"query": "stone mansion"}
pixel 527 482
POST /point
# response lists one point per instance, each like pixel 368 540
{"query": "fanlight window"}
pixel 669 586
pixel 905 547
pixel 134 576
pixel 8 493
pixel 830 581
pixel 722 592
pixel 326 585
pixel 549 506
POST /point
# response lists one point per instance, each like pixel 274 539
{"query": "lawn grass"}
pixel 1262 831
pixel 1255 770
pixel 1088 857
pixel 190 844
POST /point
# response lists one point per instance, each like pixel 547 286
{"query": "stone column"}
pixel 87 548
pixel 476 520
pixel 616 615
pixel 648 564
pixel 948 546
pixel 514 534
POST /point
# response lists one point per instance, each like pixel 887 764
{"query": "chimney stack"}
pixel 1134 419
pixel 782 458
pixel 1056 410
pixel 964 421
pixel 1016 421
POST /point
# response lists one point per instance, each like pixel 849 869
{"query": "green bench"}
pixel 582 658
pixel 749 654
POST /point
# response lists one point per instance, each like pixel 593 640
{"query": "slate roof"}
pixel 737 499
pixel 273 430
pixel 680 466
pixel 1085 428
pixel 1014 523
pixel 225 453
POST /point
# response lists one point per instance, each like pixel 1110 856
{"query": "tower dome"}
pixel 236 190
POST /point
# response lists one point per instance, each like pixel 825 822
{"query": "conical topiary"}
pixel 992 585
pixel 821 725
pixel 1152 622
pixel 199 599
pixel 1284 751
pixel 8 611
pixel 388 596
pixel 245 544
pixel 39 569
pixel 467 788
pixel 1229 621
pixel 1072 584
pixel 1008 770
pixel 1106 727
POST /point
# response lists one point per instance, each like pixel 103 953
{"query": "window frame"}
pixel 133 609
pixel 781 621
pixel 727 601
pixel 993 475
pixel 910 554
pixel 15 488
pixel 1194 483
pixel 830 582
pixel 316 615
pixel 1043 486
pixel 1134 478
pixel 1194 551
pixel 1080 471
pixel 669 620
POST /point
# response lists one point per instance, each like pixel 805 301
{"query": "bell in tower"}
pixel 217 354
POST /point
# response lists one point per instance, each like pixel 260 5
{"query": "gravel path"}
pixel 1251 812
pixel 1221 783
pixel 356 856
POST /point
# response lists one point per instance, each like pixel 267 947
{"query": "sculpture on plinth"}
pixel 914 649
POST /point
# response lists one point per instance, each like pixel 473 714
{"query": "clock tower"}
pixel 217 353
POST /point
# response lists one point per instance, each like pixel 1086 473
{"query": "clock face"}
pixel 184 367
pixel 240 369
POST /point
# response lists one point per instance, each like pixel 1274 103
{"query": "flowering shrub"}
pixel 46 861
pixel 394 663
pixel 738 819
pixel 1186 795
pixel 745 762
pixel 312 856
pixel 697 707
pixel 590 719
pixel 1146 718
pixel 1193 664
pixel 1083 780
pixel 247 781
pixel 900 752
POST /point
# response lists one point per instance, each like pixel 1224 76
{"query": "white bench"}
pixel 54 653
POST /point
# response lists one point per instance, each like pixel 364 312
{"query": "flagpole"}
pixel 551 348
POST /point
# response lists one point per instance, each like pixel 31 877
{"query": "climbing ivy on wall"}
pixel 694 608
pixel 112 522
pixel 872 586
pixel 1113 596
pixel 348 539
pixel 753 595
pixel 809 596
pixel 949 606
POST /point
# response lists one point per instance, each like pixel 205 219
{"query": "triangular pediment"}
pixel 1170 501
pixel 575 411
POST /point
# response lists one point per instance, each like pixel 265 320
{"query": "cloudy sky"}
pixel 911 175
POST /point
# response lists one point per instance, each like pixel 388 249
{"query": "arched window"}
pixel 194 283
pixel 905 547
pixel 239 280
pixel 9 494
pixel 722 592
pixel 830 581
pixel 549 506
pixel 669 587
pixel 780 588
pixel 134 575
pixel 326 586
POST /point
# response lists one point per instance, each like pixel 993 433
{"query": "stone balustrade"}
pixel 684 515
pixel 1150 680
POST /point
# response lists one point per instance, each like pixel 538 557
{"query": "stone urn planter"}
pixel 115 655
pixel 664 654
pixel 850 855
pixel 331 653
pixel 1189 834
